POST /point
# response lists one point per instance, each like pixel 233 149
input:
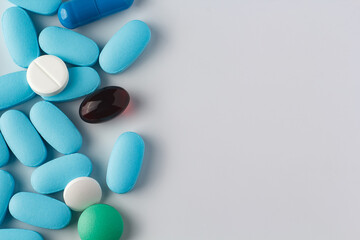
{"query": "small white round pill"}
pixel 47 75
pixel 81 193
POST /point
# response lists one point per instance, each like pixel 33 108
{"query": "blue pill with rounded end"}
pixel 19 234
pixel 53 176
pixel 39 210
pixel 20 36
pixel 7 185
pixel 125 162
pixel 55 127
pixel 14 90
pixel 4 152
pixel 75 13
pixel 22 138
pixel 43 7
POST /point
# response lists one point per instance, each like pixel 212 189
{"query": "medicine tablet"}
pixel 47 75
pixel 82 81
pixel 55 127
pixel 4 152
pixel 81 193
pixel 39 210
pixel 20 36
pixel 125 162
pixel 100 222
pixel 54 175
pixel 22 138
pixel 43 7
pixel 19 234
pixel 125 47
pixel 7 184
pixel 75 13
pixel 14 90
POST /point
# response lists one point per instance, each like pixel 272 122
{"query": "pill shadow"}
pixel 128 226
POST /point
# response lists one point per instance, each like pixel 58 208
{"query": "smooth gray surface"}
pixel 251 116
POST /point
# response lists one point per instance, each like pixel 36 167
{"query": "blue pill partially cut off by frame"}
pixel 19 234
pixel 4 152
pixel 22 138
pixel 39 210
pixel 75 13
pixel 7 185
pixel 14 90
pixel 125 162
pixel 20 36
pixel 54 175
pixel 43 7
pixel 55 127
pixel 125 47
pixel 82 81
pixel 70 46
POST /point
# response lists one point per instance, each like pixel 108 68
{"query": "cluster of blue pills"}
pixel 49 77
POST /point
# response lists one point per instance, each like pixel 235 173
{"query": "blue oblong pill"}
pixel 55 127
pixel 19 234
pixel 70 46
pixel 4 152
pixel 20 36
pixel 14 90
pixel 82 81
pixel 39 210
pixel 22 138
pixel 125 162
pixel 43 7
pixel 54 175
pixel 125 47
pixel 7 184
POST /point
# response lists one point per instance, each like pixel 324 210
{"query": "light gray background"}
pixel 251 115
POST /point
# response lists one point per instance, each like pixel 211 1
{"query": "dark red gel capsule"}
pixel 104 104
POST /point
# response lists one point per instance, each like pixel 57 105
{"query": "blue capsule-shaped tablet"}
pixel 55 127
pixel 43 7
pixel 75 13
pixel 53 176
pixel 20 36
pixel 82 81
pixel 70 46
pixel 7 184
pixel 4 152
pixel 19 234
pixel 14 90
pixel 125 47
pixel 22 138
pixel 125 162
pixel 39 210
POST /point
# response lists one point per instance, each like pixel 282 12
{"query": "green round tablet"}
pixel 100 222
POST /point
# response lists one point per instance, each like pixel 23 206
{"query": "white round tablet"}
pixel 81 193
pixel 47 75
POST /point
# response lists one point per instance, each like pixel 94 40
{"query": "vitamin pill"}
pixel 55 127
pixel 47 75
pixel 43 7
pixel 39 210
pixel 70 46
pixel 14 90
pixel 75 13
pixel 54 175
pixel 81 193
pixel 19 234
pixel 4 152
pixel 7 184
pixel 125 47
pixel 20 36
pixel 125 162
pixel 82 81
pixel 100 222
pixel 104 104
pixel 22 138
